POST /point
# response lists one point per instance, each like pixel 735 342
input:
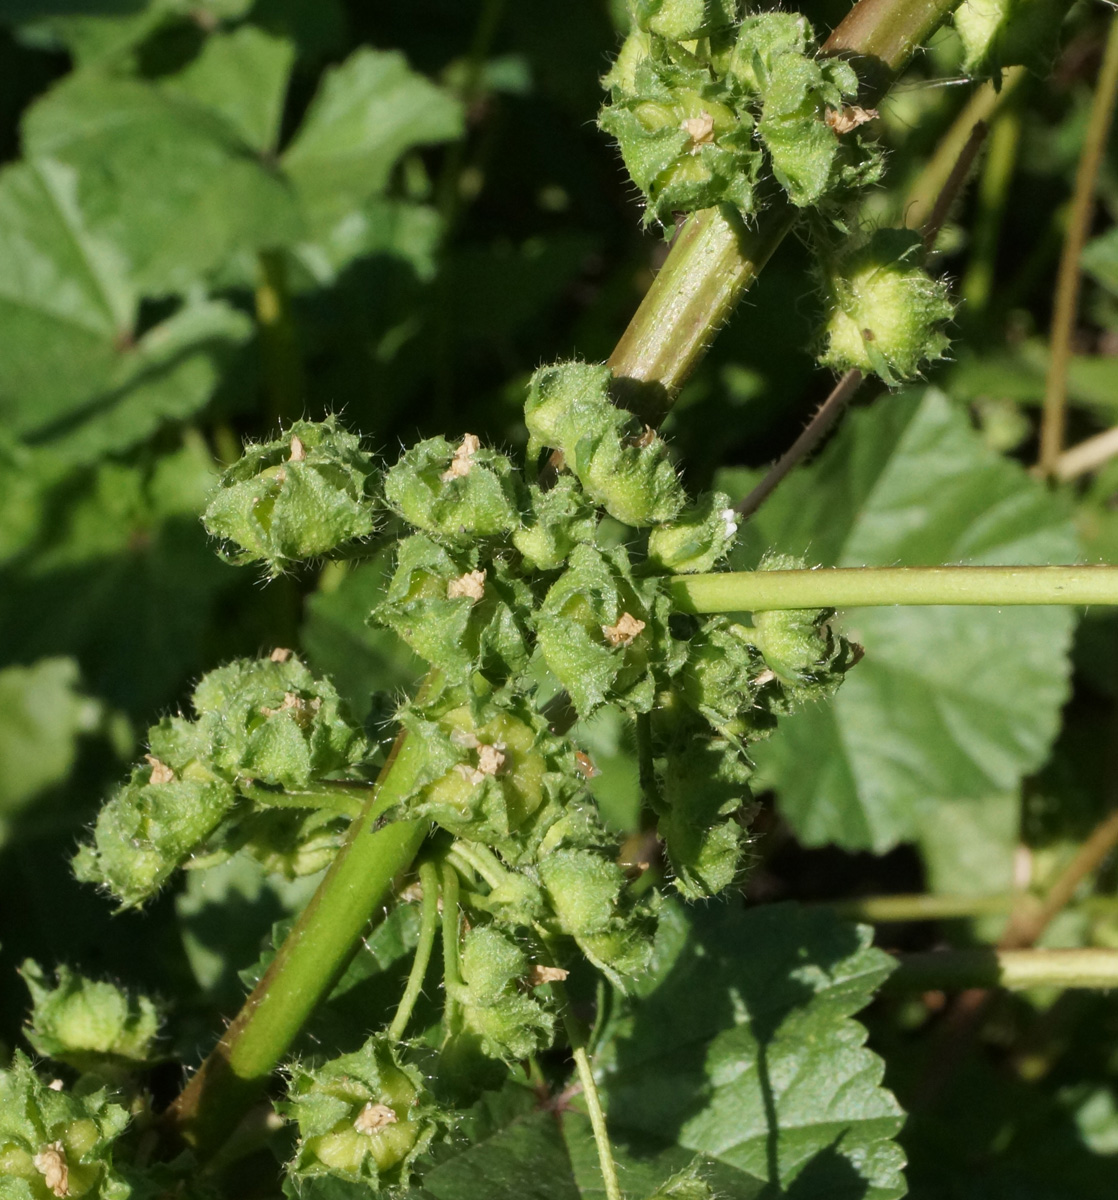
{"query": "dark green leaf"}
pixel 948 702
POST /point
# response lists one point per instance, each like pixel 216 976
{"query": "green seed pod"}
pixel 583 889
pixel 506 1023
pixel 499 778
pixel 364 1117
pixel 684 20
pixel 301 496
pixel 1002 33
pixel 149 827
pixel 720 679
pixel 602 635
pixel 456 493
pixel 622 467
pixel 884 312
pixel 557 520
pixel 54 1143
pixel 453 613
pixel 290 842
pixel 89 1024
pixel 704 791
pixel 271 720
pixel 264 721
pixel 698 539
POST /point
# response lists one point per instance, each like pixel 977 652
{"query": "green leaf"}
pixel 243 76
pixel 169 182
pixel 949 702
pixel 367 113
pixel 42 715
pixel 742 1049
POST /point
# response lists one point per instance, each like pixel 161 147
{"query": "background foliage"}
pixel 220 216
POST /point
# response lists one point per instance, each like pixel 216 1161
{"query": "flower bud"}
pixel 884 311
pixel 303 495
pixel 557 521
pixel 88 1024
pixel 684 20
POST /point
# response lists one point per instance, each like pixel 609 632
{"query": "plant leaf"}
pixel 367 113
pixel 948 702
pixel 743 1049
pixel 168 181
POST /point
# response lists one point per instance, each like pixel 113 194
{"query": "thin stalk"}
pixel 993 196
pixel 922 907
pixel 980 108
pixel 482 860
pixel 452 975
pixel 1088 455
pixel 345 800
pixel 279 340
pixel 1054 418
pixel 1014 970
pixel 869 587
pixel 576 1034
pixel 428 928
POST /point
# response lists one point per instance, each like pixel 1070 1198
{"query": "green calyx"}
pixel 266 730
pixel 364 1117
pixel 304 495
pixel 456 493
pixel 498 1014
pixel 698 539
pixel 884 312
pixel 54 1142
pixel 89 1024
pixel 622 465
pixel 702 106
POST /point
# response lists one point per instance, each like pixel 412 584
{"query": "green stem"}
pixel 922 907
pixel 1015 970
pixel 428 927
pixel 1066 304
pixel 452 976
pixel 482 860
pixel 869 587
pixel 306 966
pixel 279 339
pixel 576 1034
pixel 345 799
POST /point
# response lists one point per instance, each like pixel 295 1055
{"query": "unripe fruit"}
pixel 87 1023
pixel 456 493
pixel 300 496
pixel 363 1117
pixel 697 539
pixel 583 888
pixel 884 312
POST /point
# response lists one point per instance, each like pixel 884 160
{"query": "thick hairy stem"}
pixel 306 966
pixel 1054 419
pixel 1014 970
pixel 873 587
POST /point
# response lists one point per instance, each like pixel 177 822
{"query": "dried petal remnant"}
pixel 490 759
pixel 625 632
pixel 700 129
pixel 298 450
pixel 373 1117
pixel 461 463
pixel 849 118
pixel 50 1162
pixel 540 974
pixel 160 772
pixel 471 586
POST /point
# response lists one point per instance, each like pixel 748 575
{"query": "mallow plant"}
pixel 554 1003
